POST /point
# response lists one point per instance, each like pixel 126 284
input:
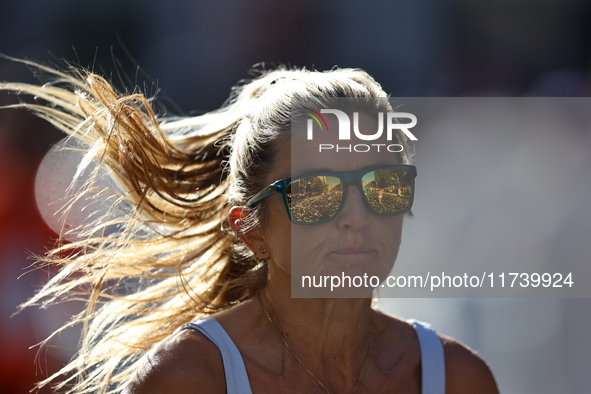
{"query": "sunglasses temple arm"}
pixel 260 196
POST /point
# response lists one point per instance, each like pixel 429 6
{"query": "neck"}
pixel 331 337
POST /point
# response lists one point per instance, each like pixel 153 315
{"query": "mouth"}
pixel 353 250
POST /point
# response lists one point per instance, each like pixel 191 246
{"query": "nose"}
pixel 354 214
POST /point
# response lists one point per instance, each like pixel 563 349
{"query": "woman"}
pixel 217 216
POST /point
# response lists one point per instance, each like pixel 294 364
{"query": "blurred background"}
pixel 190 53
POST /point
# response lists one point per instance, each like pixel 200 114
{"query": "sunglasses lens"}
pixel 314 199
pixel 317 199
pixel 388 190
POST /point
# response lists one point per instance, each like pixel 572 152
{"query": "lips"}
pixel 353 250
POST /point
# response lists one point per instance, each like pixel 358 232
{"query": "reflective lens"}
pixel 315 199
pixel 388 190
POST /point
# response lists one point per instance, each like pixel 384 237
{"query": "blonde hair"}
pixel 163 254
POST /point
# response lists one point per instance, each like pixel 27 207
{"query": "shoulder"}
pixel 466 372
pixel 184 363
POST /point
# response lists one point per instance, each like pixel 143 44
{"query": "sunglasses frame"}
pixel 348 178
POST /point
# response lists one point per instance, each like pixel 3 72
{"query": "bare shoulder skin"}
pixel 466 372
pixel 178 365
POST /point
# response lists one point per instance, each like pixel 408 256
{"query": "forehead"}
pixel 324 151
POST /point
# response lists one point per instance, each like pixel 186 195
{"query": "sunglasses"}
pixel 318 198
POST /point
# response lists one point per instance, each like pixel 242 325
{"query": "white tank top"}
pixel 432 357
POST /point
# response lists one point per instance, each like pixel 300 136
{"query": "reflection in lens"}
pixel 314 199
pixel 388 190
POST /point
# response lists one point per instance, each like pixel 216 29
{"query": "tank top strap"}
pixel 236 377
pixel 432 358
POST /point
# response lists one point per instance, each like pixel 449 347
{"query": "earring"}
pixel 263 250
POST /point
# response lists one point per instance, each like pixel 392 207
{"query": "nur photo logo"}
pixel 344 129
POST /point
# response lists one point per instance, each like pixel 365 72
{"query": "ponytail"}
pixel 171 250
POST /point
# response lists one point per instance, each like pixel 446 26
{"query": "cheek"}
pixel 391 236
pixel 278 233
pixel 390 230
pixel 309 242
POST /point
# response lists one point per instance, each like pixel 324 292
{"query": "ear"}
pixel 252 237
